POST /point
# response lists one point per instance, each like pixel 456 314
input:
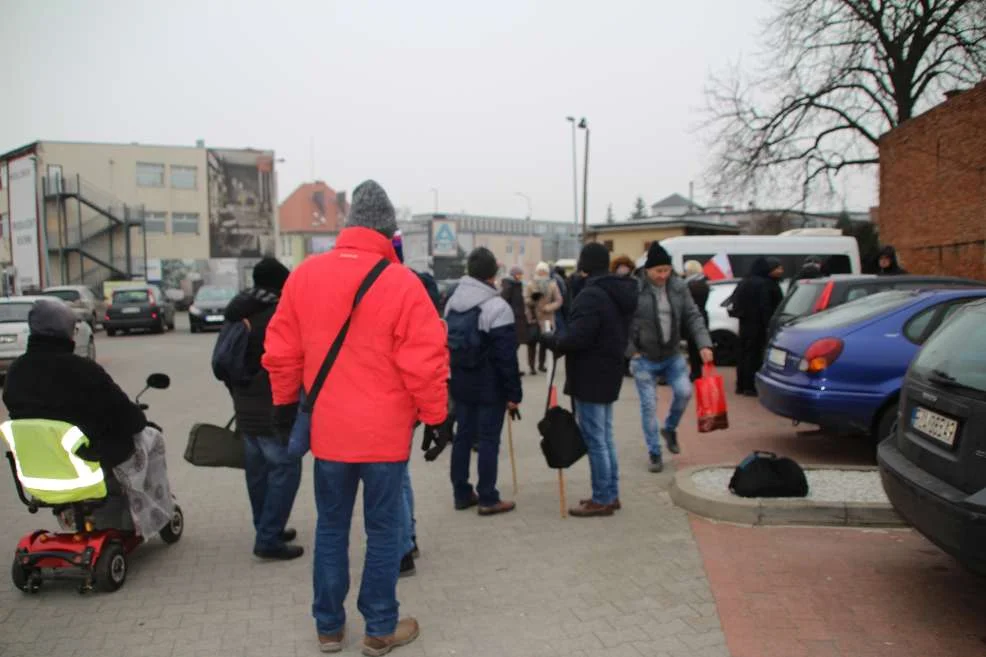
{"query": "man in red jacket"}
pixel 391 372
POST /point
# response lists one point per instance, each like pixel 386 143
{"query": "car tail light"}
pixel 154 315
pixel 820 355
pixel 824 298
pixel 150 298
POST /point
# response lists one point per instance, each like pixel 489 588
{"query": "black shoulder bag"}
pixel 561 441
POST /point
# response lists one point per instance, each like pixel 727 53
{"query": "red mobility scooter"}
pixel 98 555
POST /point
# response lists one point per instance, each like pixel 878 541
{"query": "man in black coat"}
pixel 887 262
pixel 754 302
pixel 594 344
pixel 272 474
pixel 51 382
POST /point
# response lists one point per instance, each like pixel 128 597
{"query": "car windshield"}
pixel 857 311
pixel 800 301
pixel 215 294
pixel 14 312
pixel 64 295
pixel 129 296
pixel 956 354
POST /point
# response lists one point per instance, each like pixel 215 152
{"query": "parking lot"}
pixel 649 581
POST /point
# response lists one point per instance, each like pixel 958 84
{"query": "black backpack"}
pixel 229 361
pixel 561 442
pixel 764 474
pixel 467 348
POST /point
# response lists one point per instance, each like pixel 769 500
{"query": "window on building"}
pixel 286 245
pixel 150 175
pixel 510 246
pixel 184 177
pixel 523 247
pixel 156 222
pixel 185 222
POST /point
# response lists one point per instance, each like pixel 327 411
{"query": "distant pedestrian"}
pixel 543 299
pixel 512 291
pixel 888 265
pixel 593 348
pixel 485 381
pixel 811 268
pixel 754 302
pixel 665 314
pixel 622 266
pixel 562 314
pixel 698 286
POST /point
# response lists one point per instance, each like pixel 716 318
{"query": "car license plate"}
pixel 777 357
pixel 934 425
pixel 214 318
pixel 131 311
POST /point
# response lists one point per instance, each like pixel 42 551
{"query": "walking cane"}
pixel 553 401
pixel 510 444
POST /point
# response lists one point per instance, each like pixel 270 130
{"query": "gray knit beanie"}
pixel 372 209
pixel 51 318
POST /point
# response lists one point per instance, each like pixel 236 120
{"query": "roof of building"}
pixel 31 147
pixel 676 201
pixel 312 208
pixel 728 229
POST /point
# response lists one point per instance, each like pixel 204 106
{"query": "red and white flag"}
pixel 718 268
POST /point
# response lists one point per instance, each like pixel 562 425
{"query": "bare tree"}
pixel 837 74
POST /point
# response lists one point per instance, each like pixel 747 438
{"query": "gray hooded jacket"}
pixel 646 337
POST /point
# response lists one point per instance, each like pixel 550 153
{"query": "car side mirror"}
pixel 158 381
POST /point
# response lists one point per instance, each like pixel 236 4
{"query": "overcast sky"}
pixel 466 97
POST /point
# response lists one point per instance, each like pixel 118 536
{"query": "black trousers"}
pixel 537 350
pixel 752 342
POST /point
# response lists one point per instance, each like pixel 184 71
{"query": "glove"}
pixel 436 437
pixel 514 413
pixel 283 418
pixel 549 340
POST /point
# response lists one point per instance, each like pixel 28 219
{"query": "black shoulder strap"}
pixel 330 358
pixel 551 382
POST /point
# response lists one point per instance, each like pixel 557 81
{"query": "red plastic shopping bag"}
pixel 710 397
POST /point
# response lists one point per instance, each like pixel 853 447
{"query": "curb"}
pixel 767 511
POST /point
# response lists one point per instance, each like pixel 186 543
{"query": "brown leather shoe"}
pixel 616 505
pixel 407 630
pixel 331 642
pixel 591 510
pixel 500 507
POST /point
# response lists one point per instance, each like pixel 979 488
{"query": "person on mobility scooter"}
pixel 78 445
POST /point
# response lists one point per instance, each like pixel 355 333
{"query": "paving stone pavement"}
pixel 526 584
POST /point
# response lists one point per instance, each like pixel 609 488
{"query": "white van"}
pixel 733 255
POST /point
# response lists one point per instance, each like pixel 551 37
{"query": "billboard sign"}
pixel 24 248
pixel 443 238
pixel 241 203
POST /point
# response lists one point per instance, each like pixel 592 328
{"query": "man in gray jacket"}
pixel 666 314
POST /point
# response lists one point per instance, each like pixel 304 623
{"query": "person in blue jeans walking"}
pixel 272 472
pixel 666 314
pixel 485 382
pixel 593 345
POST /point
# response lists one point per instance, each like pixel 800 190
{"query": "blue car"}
pixel 842 369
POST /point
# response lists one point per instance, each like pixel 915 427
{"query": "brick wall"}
pixel 933 188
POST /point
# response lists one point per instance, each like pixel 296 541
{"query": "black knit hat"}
pixel 270 274
pixel 657 256
pixel 594 259
pixel 482 264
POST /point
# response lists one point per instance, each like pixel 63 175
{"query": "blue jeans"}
pixel 383 507
pixel 560 324
pixel 272 477
pixel 482 423
pixel 596 423
pixel 645 374
pixel 408 525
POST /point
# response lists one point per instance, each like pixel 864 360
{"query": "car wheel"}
pixel 725 344
pixel 194 328
pixel 111 333
pixel 91 349
pixel 161 325
pixel 886 424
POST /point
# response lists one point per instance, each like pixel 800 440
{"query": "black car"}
pixel 933 467
pixel 139 307
pixel 208 308
pixel 812 295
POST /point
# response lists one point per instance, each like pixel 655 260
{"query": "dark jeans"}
pixel 480 423
pixel 596 424
pixel 383 511
pixel 752 341
pixel 538 350
pixel 272 477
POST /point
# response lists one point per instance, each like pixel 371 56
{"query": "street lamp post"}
pixel 528 199
pixel 575 175
pixel 584 124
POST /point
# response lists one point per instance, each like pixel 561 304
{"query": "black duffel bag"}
pixel 764 474
pixel 212 446
pixel 561 442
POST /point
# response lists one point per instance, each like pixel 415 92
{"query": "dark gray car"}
pixel 139 307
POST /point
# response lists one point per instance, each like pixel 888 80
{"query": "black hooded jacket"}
pixel 757 297
pixel 894 269
pixel 253 403
pixel 596 338
pixel 51 382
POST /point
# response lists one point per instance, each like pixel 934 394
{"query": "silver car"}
pixel 86 305
pixel 14 331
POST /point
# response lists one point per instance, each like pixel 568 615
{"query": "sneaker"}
pixel 499 507
pixel 289 535
pixel 591 510
pixel 656 465
pixel 616 505
pixel 543 369
pixel 671 438
pixel 534 372
pixel 407 565
pixel 331 642
pixel 283 553
pixel 407 630
pixel 467 504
